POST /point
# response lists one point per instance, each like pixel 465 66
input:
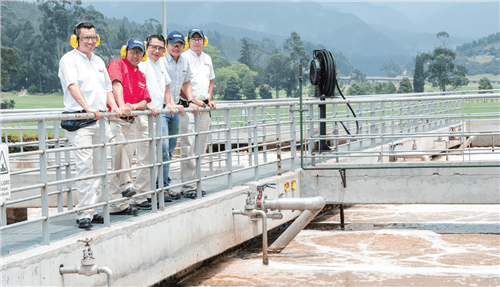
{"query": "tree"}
pixel 420 74
pixel 248 87
pixel 297 55
pixel 441 67
pixel 217 60
pixel 358 76
pixel 8 104
pixel 265 92
pixel 232 91
pixel 10 64
pixel 485 84
pixel 405 86
pixel 355 89
pixel 460 77
pixel 391 68
pixel 385 88
pixel 277 71
pixel 246 56
pixel 443 36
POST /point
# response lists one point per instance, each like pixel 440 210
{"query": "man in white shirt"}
pixel 87 89
pixel 158 83
pixel 203 86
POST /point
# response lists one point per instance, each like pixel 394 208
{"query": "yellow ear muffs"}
pixel 123 53
pixel 98 40
pixel 205 42
pixel 73 41
pixel 186 43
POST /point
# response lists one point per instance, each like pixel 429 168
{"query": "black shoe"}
pixel 146 205
pixel 192 193
pixel 173 195
pixel 97 219
pixel 85 223
pixel 167 197
pixel 129 192
pixel 127 211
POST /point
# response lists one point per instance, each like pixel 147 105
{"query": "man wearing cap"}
pixel 181 75
pixel 131 93
pixel 158 83
pixel 203 86
pixel 87 89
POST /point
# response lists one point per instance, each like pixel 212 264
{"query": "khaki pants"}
pixel 122 159
pixel 188 167
pixel 87 163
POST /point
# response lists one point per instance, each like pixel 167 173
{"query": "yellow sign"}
pixel 294 184
pixel 287 186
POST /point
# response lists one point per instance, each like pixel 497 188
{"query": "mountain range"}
pixel 367 33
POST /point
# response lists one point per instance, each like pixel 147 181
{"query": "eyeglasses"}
pixel 136 52
pixel 156 47
pixel 87 39
pixel 196 39
pixel 177 46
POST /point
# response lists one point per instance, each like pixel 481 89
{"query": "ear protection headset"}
pixel 74 38
pixel 186 42
pixel 123 53
pixel 159 37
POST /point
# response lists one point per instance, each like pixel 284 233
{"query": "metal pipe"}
pixel 89 271
pixel 255 212
pixel 311 203
pixel 294 229
pixel 467 142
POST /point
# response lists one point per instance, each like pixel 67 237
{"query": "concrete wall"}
pixel 145 250
pixel 416 185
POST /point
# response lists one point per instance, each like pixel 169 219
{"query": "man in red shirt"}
pixel 131 93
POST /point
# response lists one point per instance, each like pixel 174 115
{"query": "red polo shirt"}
pixel 132 79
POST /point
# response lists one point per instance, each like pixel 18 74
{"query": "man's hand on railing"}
pixel 118 111
pixel 152 109
pixel 211 104
pixel 194 106
pixel 180 108
pixel 95 111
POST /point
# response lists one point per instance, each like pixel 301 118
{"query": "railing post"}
pixel 60 203
pixel 197 148
pixel 335 112
pixel 372 125
pixel 104 169
pixel 42 146
pixel 264 138
pixel 249 136
pixel 256 144
pixel 67 171
pixel 293 136
pixel 152 170
pixel 159 159
pixel 310 134
pixel 228 147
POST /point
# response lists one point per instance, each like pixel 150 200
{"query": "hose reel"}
pixel 323 75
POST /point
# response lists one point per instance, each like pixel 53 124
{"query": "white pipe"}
pixel 89 271
pixel 294 229
pixel 256 212
pixel 317 202
pixel 467 142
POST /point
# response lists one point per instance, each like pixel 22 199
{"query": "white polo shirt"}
pixel 90 75
pixel 203 72
pixel 179 72
pixel 156 80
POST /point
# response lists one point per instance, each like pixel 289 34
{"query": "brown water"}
pixel 382 245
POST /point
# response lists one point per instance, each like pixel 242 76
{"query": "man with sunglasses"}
pixel 131 93
pixel 202 83
pixel 158 82
pixel 87 89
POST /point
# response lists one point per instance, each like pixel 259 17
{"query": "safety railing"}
pixel 388 131
pixel 239 133
pixel 248 136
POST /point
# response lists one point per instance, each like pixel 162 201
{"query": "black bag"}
pixel 73 125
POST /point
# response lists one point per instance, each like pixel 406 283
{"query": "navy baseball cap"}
pixel 132 43
pixel 194 31
pixel 174 37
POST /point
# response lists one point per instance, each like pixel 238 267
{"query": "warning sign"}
pixel 4 174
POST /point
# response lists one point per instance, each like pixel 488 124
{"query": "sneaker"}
pixel 143 205
pixel 131 210
pixel 85 223
pixel 129 192
pixel 192 193
pixel 97 219
pixel 173 195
